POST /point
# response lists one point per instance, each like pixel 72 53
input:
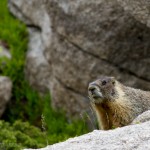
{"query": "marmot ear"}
pixel 113 80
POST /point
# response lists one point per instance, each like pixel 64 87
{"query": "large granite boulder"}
pixel 135 137
pixel 5 92
pixel 74 42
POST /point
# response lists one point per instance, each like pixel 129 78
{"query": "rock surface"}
pixel 74 42
pixel 5 92
pixel 140 9
pixel 4 51
pixel 135 137
pixel 34 15
pixel 145 116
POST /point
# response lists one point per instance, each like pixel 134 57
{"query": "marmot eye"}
pixel 113 82
pixel 104 82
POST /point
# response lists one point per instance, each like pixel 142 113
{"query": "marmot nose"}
pixel 92 88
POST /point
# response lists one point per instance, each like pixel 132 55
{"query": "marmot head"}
pixel 103 89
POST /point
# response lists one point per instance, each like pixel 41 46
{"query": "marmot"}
pixel 116 105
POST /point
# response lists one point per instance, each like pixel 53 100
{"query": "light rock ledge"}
pixel 5 93
pixel 133 137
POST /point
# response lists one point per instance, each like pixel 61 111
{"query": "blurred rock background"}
pixel 74 42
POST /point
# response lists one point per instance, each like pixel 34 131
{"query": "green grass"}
pixel 26 104
pixel 20 135
pixel 58 127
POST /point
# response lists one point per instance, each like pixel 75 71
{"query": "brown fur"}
pixel 119 104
